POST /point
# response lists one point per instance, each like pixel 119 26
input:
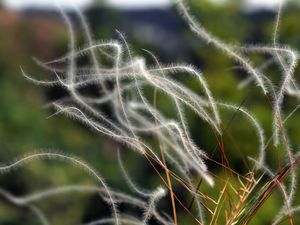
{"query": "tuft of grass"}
pixel 123 84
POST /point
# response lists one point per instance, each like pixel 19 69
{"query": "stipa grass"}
pixel 135 117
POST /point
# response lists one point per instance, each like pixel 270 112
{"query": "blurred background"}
pixel 31 28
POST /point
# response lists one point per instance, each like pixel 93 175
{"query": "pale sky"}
pixel 19 4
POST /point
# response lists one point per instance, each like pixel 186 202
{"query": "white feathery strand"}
pixel 89 38
pixel 202 33
pixel 18 202
pixel 71 59
pixel 72 160
pixel 130 182
pixel 156 196
pixel 257 126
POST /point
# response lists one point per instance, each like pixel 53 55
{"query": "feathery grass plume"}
pixel 250 79
pixel 288 63
pixel 166 85
pixel 256 125
pixel 88 34
pixel 68 159
pixel 24 204
pixel 288 70
pixel 135 118
pixel 226 48
pixel 30 199
pixel 156 195
pixel 130 182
